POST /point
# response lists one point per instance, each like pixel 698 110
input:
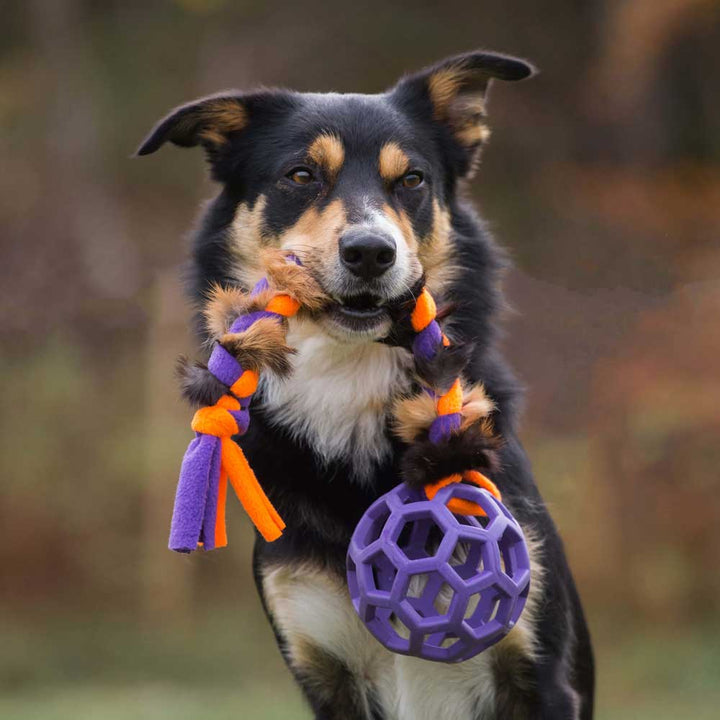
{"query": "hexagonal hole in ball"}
pixel 420 538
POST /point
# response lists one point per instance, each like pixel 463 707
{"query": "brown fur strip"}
pixel 477 406
pixel 475 449
pixel 218 118
pixel 197 384
pixel 441 371
pixel 412 416
pixel 261 347
pixel 295 280
pixel 225 304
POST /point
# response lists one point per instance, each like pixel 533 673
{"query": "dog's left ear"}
pixel 453 93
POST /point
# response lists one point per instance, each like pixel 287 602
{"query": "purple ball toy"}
pixel 433 584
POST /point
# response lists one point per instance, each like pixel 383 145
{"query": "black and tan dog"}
pixel 365 189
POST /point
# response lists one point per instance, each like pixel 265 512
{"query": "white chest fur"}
pixel 312 607
pixel 338 395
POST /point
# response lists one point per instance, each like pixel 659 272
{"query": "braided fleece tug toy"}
pixel 413 543
pixel 226 386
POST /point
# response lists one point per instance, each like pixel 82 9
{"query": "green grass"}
pixel 226 666
pixel 155 702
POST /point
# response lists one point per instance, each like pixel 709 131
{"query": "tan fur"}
pixel 463 112
pixel 413 415
pixel 293 279
pixel 435 251
pixel 218 118
pixel 392 162
pixel 328 152
pixel 472 135
pixel 314 237
pixel 247 238
pixel 225 304
pixel 262 346
pixel 476 406
pixel 331 681
pixel 443 87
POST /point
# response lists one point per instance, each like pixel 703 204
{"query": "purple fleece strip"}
pixel 242 418
pixel 260 286
pixel 443 427
pixel 224 366
pixel 245 321
pixel 207 534
pixel 427 342
pixel 191 497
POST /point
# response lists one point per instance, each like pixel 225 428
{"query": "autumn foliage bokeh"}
pixel 603 180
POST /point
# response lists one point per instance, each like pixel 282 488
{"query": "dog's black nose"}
pixel 367 255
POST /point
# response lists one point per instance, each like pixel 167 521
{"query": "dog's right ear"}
pixel 209 122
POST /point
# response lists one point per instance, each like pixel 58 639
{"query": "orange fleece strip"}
pixel 283 305
pixel 458 505
pixel 220 526
pixel 424 311
pixel 246 384
pixel 251 495
pixel 452 401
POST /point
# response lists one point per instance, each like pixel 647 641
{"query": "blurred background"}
pixel 602 179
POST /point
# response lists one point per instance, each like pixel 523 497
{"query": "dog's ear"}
pixel 453 93
pixel 209 122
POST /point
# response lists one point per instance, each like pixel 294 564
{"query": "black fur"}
pixel 441 371
pixel 197 384
pixel 425 462
pixel 319 504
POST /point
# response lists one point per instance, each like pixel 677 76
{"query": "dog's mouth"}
pixel 370 313
pixel 360 313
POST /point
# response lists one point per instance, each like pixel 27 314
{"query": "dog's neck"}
pixel 338 397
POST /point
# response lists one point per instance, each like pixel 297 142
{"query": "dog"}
pixel 367 190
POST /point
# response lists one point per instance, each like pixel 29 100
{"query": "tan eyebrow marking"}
pixel 327 151
pixel 393 162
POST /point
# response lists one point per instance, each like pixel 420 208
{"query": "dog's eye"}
pixel 412 179
pixel 300 176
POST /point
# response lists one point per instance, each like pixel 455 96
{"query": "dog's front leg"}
pixel 533 689
pixel 331 688
pixel 333 657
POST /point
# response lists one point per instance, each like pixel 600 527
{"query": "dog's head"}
pixel 358 186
